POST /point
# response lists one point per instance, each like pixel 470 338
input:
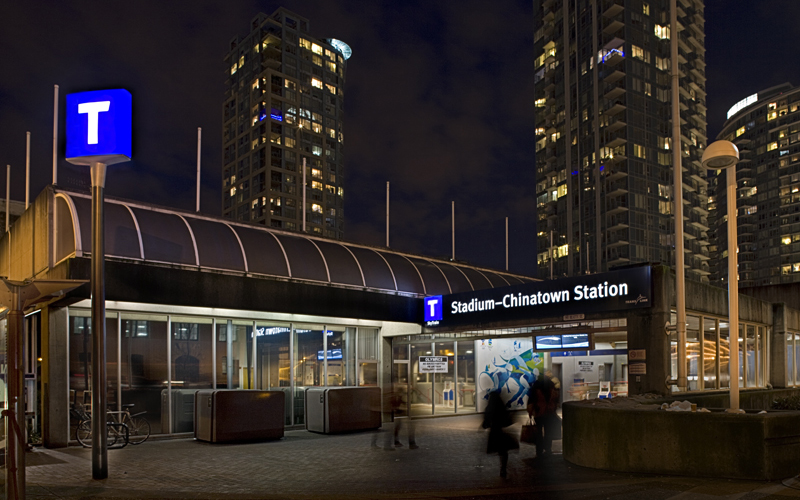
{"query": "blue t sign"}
pixel 433 308
pixel 99 127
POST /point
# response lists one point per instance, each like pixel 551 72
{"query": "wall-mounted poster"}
pixel 510 365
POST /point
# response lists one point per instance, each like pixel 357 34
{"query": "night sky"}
pixel 437 101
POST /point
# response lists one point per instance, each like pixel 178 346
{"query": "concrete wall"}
pixel 642 439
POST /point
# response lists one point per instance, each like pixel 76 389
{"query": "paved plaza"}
pixel 450 463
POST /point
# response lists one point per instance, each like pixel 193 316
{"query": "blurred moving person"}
pixel 496 418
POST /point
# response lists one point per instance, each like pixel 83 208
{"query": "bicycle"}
pixel 138 426
pixel 122 427
pixel 117 433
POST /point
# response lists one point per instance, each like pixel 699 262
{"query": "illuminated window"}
pixel 562 190
pixel 646 8
pixel 315 172
pixel 772 115
pixel 786 240
pixel 330 88
pixel 317 60
pixel 241 60
pixel 662 63
pixel 739 131
pixel 563 250
pixel 233 190
pixel 540 103
pixel 639 151
pixel 305 44
pixel 771 146
pixel 316 185
pixel 316 208
pixel 316 49
pixel 341 193
pixel 662 32
pixel 317 150
pixel 316 127
pixel 331 66
pixel 234 68
pixel 316 83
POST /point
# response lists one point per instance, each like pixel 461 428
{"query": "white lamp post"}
pixel 718 156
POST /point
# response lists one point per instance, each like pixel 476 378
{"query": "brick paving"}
pixel 450 463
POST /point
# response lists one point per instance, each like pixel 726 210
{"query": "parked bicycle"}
pixel 121 427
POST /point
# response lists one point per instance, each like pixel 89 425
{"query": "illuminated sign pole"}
pixel 99 134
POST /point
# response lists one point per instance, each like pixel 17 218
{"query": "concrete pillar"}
pixel 385 377
pixel 777 349
pixel 646 331
pixel 55 377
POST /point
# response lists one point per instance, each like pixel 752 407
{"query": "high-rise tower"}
pixel 602 91
pixel 283 104
pixel 766 128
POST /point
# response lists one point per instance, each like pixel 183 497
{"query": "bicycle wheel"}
pixel 138 430
pixel 118 435
pixel 84 433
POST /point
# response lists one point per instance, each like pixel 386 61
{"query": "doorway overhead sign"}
pixel 605 292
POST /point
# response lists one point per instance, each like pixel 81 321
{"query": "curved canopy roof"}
pixel 136 232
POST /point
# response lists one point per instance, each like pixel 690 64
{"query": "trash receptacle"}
pixel 342 409
pixel 238 415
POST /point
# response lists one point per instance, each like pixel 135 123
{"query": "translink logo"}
pixel 433 308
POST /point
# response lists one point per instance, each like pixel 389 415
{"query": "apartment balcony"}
pixel 612 174
pixel 617 227
pixel 615 107
pixel 613 8
pixel 617 243
pixel 616 210
pixel 613 26
pixel 613 76
pixel 614 91
pixel 615 125
pixel 613 57
pixel 618 261
pixel 615 142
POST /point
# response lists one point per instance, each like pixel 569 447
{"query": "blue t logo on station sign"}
pixel 433 308
pixel 99 127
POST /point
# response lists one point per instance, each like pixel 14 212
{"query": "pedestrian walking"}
pixel 496 418
pixel 542 405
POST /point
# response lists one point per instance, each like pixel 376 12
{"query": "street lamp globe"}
pixel 720 155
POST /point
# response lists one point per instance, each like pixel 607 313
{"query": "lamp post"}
pixel 724 155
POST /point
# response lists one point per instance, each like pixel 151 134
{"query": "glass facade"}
pixel 158 362
pixel 714 357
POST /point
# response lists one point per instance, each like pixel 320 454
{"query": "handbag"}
pixel 529 433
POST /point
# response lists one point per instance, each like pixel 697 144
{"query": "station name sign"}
pixel 612 291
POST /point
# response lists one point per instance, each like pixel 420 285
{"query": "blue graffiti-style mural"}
pixel 512 371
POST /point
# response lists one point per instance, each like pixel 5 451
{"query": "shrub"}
pixel 790 403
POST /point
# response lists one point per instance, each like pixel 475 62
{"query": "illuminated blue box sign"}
pixel 433 308
pixel 99 127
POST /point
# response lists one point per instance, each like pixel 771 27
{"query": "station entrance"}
pixel 448 373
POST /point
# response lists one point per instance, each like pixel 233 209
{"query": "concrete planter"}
pixel 641 438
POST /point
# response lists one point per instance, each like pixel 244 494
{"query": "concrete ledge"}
pixel 632 437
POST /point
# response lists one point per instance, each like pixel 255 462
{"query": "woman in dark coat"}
pixel 496 418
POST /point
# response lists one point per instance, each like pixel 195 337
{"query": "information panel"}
pixel 433 364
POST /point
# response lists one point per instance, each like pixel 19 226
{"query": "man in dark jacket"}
pixel 542 404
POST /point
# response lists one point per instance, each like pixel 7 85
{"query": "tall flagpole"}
pixel 199 141
pixel 55 134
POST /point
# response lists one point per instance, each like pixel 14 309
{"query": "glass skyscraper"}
pixel 602 91
pixel 283 104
